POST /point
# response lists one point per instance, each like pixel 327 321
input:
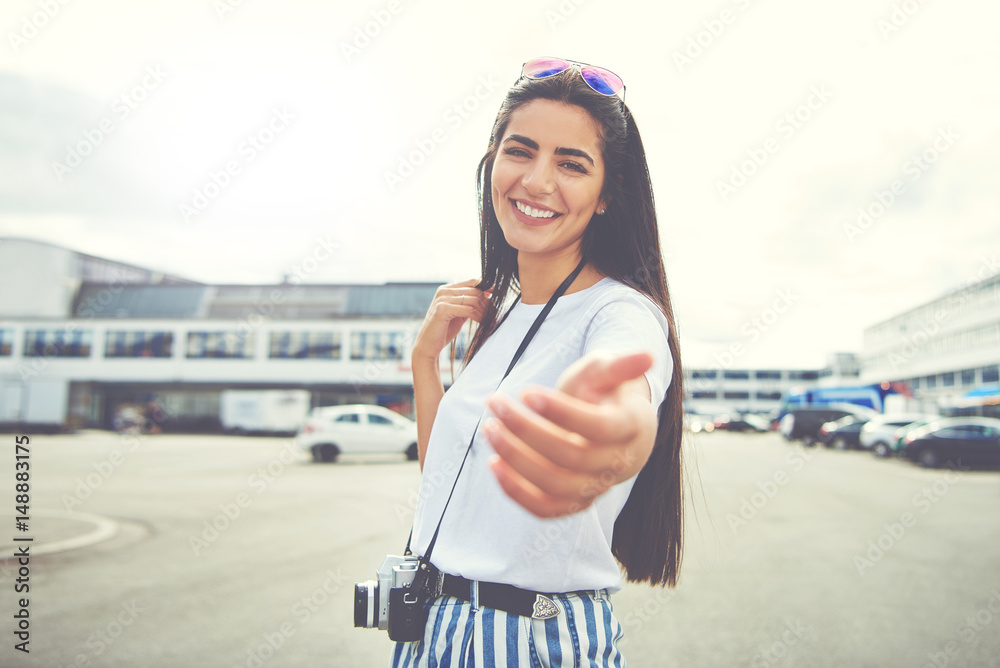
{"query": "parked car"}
pixel 958 442
pixel 879 433
pixel 899 436
pixel 330 431
pixel 804 422
pixel 698 423
pixel 842 434
pixel 741 422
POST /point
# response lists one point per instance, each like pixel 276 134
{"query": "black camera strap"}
pixel 423 572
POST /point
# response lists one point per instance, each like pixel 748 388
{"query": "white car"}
pixel 879 433
pixel 330 431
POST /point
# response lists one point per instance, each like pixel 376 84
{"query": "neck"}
pixel 539 277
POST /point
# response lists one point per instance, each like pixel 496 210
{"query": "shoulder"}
pixel 614 300
pixel 624 319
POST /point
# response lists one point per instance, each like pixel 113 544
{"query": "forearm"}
pixel 640 447
pixel 427 392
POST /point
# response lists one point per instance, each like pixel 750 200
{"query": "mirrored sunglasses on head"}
pixel 600 79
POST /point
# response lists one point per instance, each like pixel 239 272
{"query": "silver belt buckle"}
pixel 544 608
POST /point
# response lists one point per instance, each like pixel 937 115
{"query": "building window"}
pixel 121 343
pixel 6 342
pixel 768 396
pixel 376 345
pixel 461 345
pixel 930 382
pixel 767 375
pixel 57 343
pixel 737 395
pixel 991 374
pixel 305 345
pixel 803 375
pixel 968 376
pixel 736 375
pixel 710 374
pixel 704 395
pixel 948 379
pixel 219 345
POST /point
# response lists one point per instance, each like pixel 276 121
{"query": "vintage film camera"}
pixel 391 603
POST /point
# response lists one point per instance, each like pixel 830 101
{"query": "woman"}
pixel 576 463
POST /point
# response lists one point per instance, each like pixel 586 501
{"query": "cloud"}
pixel 55 158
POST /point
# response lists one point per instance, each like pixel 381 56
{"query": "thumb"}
pixel 601 372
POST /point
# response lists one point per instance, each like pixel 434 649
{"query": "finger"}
pixel 595 422
pixel 466 296
pixel 448 311
pixel 602 372
pixel 464 284
pixel 563 448
pixel 530 497
pixel 464 288
pixel 534 468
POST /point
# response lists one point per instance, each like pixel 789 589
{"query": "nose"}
pixel 538 178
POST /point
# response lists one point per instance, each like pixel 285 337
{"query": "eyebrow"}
pixel 532 144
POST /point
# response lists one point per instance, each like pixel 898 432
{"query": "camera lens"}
pixel 366 604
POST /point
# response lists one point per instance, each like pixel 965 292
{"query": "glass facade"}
pixel 305 345
pixel 376 345
pixel 122 343
pixel 219 345
pixel 57 343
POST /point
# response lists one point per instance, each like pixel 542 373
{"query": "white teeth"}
pixel 534 213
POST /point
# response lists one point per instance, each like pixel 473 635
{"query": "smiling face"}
pixel 547 178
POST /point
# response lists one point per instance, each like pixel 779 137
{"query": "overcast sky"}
pixel 225 140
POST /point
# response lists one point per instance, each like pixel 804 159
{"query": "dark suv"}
pixel 804 422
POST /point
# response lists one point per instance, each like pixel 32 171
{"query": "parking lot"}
pixel 232 551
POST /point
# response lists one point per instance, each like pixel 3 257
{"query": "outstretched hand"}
pixel 568 445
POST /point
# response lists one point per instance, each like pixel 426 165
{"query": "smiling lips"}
pixel 533 212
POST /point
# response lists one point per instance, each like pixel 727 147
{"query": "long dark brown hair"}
pixel 623 244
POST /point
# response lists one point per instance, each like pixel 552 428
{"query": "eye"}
pixel 574 166
pixel 516 151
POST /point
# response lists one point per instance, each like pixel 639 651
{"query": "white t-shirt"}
pixel 486 535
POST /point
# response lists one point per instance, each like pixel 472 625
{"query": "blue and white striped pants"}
pixel 460 634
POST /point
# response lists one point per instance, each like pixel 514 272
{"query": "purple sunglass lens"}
pixel 602 80
pixel 544 67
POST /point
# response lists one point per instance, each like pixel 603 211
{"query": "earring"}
pixel 601 212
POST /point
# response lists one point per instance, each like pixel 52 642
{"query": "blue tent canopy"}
pixel 984 391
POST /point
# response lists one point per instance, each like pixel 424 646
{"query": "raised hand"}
pixel 451 307
pixel 566 446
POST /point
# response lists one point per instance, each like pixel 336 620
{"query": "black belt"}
pixel 505 597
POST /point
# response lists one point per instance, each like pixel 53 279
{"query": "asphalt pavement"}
pixel 191 551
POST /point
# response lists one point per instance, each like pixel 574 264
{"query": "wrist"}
pixel 423 361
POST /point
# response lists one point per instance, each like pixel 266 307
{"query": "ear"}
pixel 602 204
